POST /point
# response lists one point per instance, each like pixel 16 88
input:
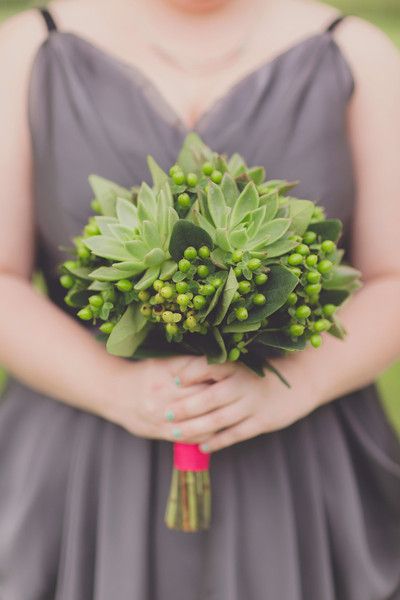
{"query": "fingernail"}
pixel 176 433
pixel 177 381
pixel 169 415
pixel 204 448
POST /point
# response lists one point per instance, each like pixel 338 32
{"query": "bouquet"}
pixel 212 259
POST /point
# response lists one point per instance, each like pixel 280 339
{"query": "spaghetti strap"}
pixel 332 26
pixel 48 18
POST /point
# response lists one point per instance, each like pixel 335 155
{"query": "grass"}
pixel 386 15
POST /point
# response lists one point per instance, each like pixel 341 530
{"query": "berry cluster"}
pixel 187 182
pixel 311 261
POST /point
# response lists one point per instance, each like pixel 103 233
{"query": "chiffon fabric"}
pixel 311 512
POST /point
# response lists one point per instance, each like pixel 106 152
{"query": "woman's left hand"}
pixel 242 405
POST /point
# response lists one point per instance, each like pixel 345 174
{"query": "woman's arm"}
pixel 247 406
pixel 39 343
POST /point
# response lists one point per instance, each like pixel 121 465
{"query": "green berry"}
pixel 261 278
pixel 85 314
pixel 191 322
pixel 199 302
pixel 216 176
pixel 303 311
pixel 234 354
pixel 325 266
pixel 207 168
pixel 107 327
pixel 329 310
pixel 238 271
pixel 190 253
pixel 244 286
pixel 157 299
pixel 175 168
pixel 67 281
pixel 309 237
pixel 176 317
pixel 167 316
pixel 171 329
pixel 144 295
pixel 108 295
pixel 295 259
pixel 178 177
pixel 167 292
pixel 70 264
pixel 254 264
pixel 182 299
pixel 241 313
pixel 313 277
pixel 217 282
pixel 259 299
pixel 237 337
pixel 91 229
pixel 192 179
pixel 182 287
pixel 124 285
pixel 237 256
pixel 322 325
pixel 203 271
pixel 236 297
pixel 296 271
pixel 316 340
pixel 96 300
pixel 184 200
pixel 311 260
pixel 292 299
pixel 328 247
pixel 83 252
pixel 95 206
pixel 296 330
pixel 158 284
pixel 204 252
pixel 207 289
pixel 184 265
pixel 313 289
pixel 145 309
pixel 302 249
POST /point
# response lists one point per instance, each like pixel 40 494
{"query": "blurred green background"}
pixel 386 15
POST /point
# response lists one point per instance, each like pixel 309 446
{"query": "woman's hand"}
pixel 142 392
pixel 242 405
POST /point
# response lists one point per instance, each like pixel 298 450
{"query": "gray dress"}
pixel 311 512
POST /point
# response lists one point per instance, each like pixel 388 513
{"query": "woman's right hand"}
pixel 142 391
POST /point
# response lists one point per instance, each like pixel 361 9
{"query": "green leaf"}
pixel 246 203
pixel 137 249
pixel 110 274
pixel 222 240
pixel 151 235
pixel 146 203
pixel 193 153
pixel 204 224
pixel 243 327
pixel 271 203
pixel 128 333
pixel 277 185
pixel 229 190
pixel 202 314
pixel 257 174
pixel 99 286
pixel 281 282
pixel 107 247
pixel 218 257
pixel 281 341
pixel 186 234
pixel 270 233
pixel 276 372
pixel 216 205
pixel 257 218
pixel 126 213
pixel 336 297
pixel 105 310
pixel 231 286
pixel 238 237
pixel 81 272
pixel 221 355
pixel 168 268
pixel 106 192
pixel 154 257
pixel 124 234
pixel 133 266
pixel 329 229
pixel 282 246
pixel 337 329
pixel 343 277
pixel 103 223
pixel 158 175
pixel 301 212
pixel 236 165
pixel 164 203
pixel 148 278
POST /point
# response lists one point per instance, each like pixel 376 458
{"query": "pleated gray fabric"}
pixel 311 512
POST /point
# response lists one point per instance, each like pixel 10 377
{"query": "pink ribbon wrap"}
pixel 188 457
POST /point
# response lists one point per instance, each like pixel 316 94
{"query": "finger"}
pixel 208 424
pixel 209 398
pixel 238 432
pixel 199 371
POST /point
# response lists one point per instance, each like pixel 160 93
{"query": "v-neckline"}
pixel 219 100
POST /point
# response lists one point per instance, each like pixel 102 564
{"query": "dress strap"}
pixel 332 26
pixel 48 18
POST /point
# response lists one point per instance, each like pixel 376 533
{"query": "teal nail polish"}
pixel 177 381
pixel 177 433
pixel 204 448
pixel 169 415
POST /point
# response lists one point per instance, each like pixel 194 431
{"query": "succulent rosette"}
pixel 211 259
